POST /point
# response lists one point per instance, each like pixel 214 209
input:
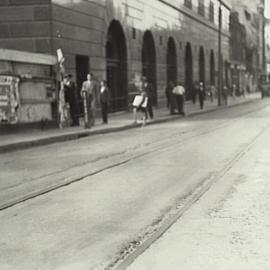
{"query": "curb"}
pixel 81 134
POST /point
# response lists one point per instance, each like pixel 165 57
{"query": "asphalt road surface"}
pixel 122 187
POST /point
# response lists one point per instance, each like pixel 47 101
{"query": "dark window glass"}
pixel 188 3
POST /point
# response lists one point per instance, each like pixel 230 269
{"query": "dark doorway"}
pixel 82 69
pixel 116 56
pixel 171 61
pixel 149 61
pixel 188 71
pixel 212 68
pixel 201 66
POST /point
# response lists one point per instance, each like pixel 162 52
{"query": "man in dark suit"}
pixel 71 98
pixel 201 94
pixel 148 88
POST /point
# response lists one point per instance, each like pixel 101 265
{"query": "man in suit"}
pixel 201 94
pixel 90 92
pixel 148 88
pixel 71 98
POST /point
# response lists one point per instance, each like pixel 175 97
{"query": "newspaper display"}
pixel 9 99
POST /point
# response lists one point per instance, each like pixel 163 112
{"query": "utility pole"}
pixel 219 54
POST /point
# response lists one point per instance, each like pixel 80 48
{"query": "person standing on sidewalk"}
pixel 89 92
pixel 148 88
pixel 104 100
pixel 195 90
pixel 140 105
pixel 170 97
pixel 225 94
pixel 179 92
pixel 71 98
pixel 201 94
pixel 63 108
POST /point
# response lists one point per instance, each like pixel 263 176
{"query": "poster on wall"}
pixel 9 99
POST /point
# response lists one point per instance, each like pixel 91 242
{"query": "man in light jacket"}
pixel 179 92
pixel 90 90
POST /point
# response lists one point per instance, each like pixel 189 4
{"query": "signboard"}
pixel 9 99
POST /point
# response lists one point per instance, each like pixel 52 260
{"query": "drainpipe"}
pixel 219 54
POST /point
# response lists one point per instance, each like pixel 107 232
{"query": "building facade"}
pixel 251 16
pixel 120 40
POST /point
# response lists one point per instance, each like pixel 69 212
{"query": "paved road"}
pixel 128 182
pixel 229 227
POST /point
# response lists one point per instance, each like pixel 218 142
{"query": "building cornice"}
pixel 198 18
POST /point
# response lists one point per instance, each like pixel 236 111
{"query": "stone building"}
pixel 251 16
pixel 120 40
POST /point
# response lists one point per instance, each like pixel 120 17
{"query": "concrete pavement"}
pixel 117 122
pixel 228 228
pixel 93 222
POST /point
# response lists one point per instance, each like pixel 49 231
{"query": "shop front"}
pixel 27 88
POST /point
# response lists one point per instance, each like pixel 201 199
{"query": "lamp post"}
pixel 219 54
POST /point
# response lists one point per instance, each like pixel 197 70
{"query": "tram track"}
pixel 162 224
pixel 115 160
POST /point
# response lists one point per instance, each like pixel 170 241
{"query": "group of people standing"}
pixel 92 93
pixel 175 94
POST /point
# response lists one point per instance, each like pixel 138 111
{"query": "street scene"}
pixel 134 135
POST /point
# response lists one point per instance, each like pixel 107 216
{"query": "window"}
pixel 201 7
pixel 188 3
pixel 211 11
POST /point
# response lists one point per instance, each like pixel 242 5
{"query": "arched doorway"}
pixel 188 71
pixel 149 61
pixel 212 68
pixel 201 66
pixel 116 56
pixel 171 61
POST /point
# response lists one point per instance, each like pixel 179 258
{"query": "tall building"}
pixel 120 40
pixel 251 16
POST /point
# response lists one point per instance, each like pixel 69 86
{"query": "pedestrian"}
pixel 149 90
pixel 170 96
pixel 212 92
pixel 63 108
pixel 104 100
pixel 201 94
pixel 225 94
pixel 89 92
pixel 179 92
pixel 140 105
pixel 195 90
pixel 71 98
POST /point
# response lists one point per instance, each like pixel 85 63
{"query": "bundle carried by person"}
pixel 140 101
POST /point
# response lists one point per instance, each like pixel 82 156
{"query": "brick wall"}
pixel 25 25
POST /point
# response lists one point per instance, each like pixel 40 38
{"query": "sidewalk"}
pixel 117 122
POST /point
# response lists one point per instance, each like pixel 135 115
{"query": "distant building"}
pixel 267 46
pixel 121 40
pixel 250 14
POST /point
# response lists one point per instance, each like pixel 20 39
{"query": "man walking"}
pixel 179 92
pixel 201 94
pixel 89 93
pixel 147 87
pixel 71 98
